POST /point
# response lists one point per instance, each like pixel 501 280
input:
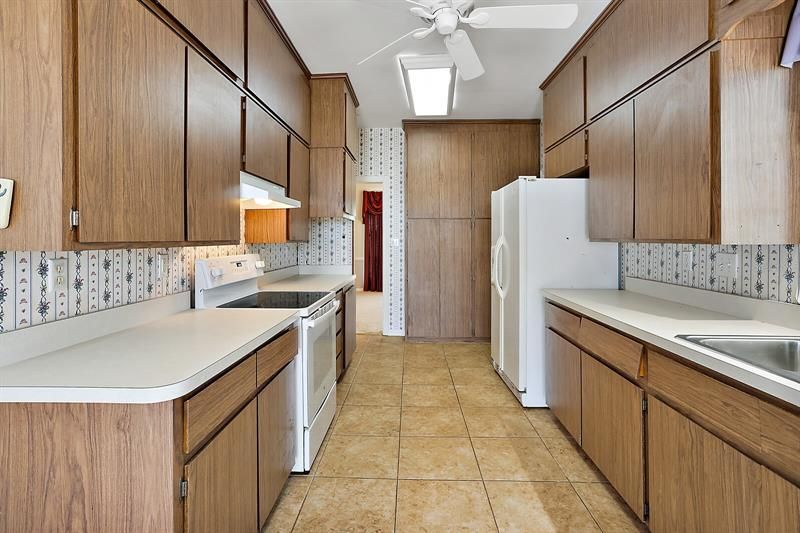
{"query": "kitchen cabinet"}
pixel 481 278
pixel 277 437
pixel 455 279
pixel 327 182
pixel 613 429
pixel 636 42
pixel 274 74
pixel 299 184
pixel 611 176
pixel 213 154
pixel 222 480
pixel 673 156
pixel 563 376
pixel 266 226
pixel 266 146
pixel 218 25
pixel 565 102
pixel 423 282
pixel 131 94
pixel 568 158
pixel 333 110
pixel 349 324
pixel 350 173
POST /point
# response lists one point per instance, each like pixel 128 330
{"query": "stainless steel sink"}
pixel 779 355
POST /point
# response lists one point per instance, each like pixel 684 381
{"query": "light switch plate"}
pixel 6 194
pixel 56 274
pixel 162 265
pixel 687 260
pixel 727 266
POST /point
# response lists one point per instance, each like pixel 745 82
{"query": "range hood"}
pixel 257 193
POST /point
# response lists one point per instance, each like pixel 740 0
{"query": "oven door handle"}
pixel 312 323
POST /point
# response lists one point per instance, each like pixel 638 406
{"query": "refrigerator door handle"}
pixel 495 252
pixel 498 265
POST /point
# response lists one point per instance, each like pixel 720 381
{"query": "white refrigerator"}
pixel 540 240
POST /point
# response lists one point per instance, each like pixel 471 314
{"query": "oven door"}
pixel 319 332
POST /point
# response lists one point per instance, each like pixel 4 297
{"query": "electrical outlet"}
pixel 162 265
pixel 727 266
pixel 56 275
pixel 687 260
pixel 6 193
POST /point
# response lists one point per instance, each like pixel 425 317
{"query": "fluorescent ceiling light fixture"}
pixel 430 83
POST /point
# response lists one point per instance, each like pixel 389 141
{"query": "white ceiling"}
pixel 334 35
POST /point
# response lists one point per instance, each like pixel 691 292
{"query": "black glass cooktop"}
pixel 276 300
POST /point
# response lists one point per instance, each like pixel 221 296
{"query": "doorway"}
pixel 368 256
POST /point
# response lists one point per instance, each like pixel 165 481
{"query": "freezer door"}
pixel 509 274
pixel 497 302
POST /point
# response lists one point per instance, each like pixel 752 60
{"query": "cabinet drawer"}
pixel 780 439
pixel 732 412
pixel 208 409
pixel 617 350
pixel 339 343
pixel 275 355
pixel 567 158
pixel 562 321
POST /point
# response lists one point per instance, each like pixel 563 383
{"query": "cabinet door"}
pixel 455 279
pixel 781 500
pixel 563 370
pixel 327 182
pixel 299 176
pixel 219 25
pixel 613 429
pixel 422 294
pixel 351 125
pixel 673 156
pixel 565 102
pixel 611 176
pixel 273 73
pixel 697 482
pixel 266 146
pixel 131 92
pixel 213 153
pixel 500 154
pixel 222 480
pixel 349 324
pixel 482 283
pixel 277 435
pixel 568 158
pixel 349 185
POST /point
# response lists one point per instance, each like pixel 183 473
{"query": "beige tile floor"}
pixel 427 438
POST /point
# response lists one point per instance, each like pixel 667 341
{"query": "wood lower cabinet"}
pixel 299 185
pixel 481 278
pixel 218 25
pixel 613 429
pixel 349 324
pixel 213 154
pixel 422 264
pixel 222 480
pixel 131 94
pixel 611 176
pixel 455 279
pixel 266 146
pixel 563 377
pixel 277 437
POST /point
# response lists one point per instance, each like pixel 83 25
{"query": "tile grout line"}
pixel 399 437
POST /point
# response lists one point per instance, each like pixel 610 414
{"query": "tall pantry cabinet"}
pixel 452 168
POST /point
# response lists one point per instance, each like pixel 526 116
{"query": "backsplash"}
pixel 330 242
pixel 766 272
pixel 383 154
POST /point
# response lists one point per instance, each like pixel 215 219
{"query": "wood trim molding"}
pixel 601 18
pixel 440 122
pixel 335 76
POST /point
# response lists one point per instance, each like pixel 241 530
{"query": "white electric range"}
pixel 232 283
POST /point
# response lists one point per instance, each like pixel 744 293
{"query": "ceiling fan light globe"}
pixel 447 21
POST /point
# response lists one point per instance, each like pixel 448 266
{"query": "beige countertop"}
pixel 658 321
pixel 310 282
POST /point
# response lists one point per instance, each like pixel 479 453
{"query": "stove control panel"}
pixel 215 272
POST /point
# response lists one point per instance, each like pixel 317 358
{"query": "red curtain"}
pixel 373 240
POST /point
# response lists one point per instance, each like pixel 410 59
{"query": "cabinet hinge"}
pixel 74 218
pixel 244 104
pixel 644 405
pixel 585 135
pixel 184 489
pixel 646 511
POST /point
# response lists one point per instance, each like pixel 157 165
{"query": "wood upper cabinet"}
pixel 351 125
pixel 613 429
pixel 611 176
pixel 274 74
pixel 481 278
pixel 563 377
pixel 131 95
pixel 299 184
pixel 422 262
pixel 673 156
pixel 333 110
pixel 636 42
pixel 327 183
pixel 266 146
pixel 699 483
pixel 213 154
pixel 568 158
pixel 277 435
pixel 349 324
pixel 455 279
pixel 350 172
pixel 218 24
pixel 223 479
pixel 565 102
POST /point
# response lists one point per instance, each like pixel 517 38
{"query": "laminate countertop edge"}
pixel 648 319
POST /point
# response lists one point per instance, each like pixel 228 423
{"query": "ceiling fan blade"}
pixel 409 34
pixel 426 6
pixel 464 55
pixel 422 13
pixel 558 16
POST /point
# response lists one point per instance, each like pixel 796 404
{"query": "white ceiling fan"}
pixel 446 15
